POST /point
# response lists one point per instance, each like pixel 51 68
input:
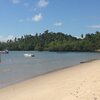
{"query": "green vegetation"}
pixel 51 41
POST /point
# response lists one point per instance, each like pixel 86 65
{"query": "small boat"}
pixel 4 52
pixel 29 55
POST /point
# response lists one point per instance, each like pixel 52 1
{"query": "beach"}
pixel 80 82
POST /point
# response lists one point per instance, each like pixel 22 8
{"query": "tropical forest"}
pixel 54 41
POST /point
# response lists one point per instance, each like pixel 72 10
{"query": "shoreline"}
pixel 84 77
pixel 49 72
pixel 36 76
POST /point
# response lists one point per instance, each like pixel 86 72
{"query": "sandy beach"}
pixel 81 82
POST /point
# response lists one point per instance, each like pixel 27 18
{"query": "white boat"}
pixel 29 55
pixel 4 52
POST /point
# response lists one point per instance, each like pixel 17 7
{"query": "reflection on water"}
pixel 15 67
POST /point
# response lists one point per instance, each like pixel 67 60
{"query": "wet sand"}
pixel 81 82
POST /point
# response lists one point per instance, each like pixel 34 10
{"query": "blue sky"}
pixel 75 17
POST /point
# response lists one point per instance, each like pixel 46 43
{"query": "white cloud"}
pixel 95 26
pixel 4 39
pixel 42 3
pixel 37 17
pixel 58 24
pixel 15 1
pixel 10 37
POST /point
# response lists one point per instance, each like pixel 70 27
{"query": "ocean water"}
pixel 14 67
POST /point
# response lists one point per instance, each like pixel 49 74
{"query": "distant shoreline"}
pixel 54 41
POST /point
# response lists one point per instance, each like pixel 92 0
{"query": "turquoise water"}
pixel 14 67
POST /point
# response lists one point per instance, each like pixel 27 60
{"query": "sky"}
pixel 74 17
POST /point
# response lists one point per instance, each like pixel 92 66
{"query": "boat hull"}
pixel 29 55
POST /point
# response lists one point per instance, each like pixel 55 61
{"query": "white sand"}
pixel 81 82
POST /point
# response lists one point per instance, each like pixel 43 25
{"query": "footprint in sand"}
pixel 95 98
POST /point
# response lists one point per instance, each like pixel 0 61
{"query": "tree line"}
pixel 54 41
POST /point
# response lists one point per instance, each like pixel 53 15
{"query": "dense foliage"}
pixel 52 41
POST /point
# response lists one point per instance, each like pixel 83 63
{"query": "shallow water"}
pixel 14 67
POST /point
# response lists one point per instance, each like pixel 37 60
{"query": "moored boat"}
pixel 4 52
pixel 29 55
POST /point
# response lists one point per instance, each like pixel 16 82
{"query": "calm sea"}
pixel 14 67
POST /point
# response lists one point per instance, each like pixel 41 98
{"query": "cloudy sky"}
pixel 75 17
